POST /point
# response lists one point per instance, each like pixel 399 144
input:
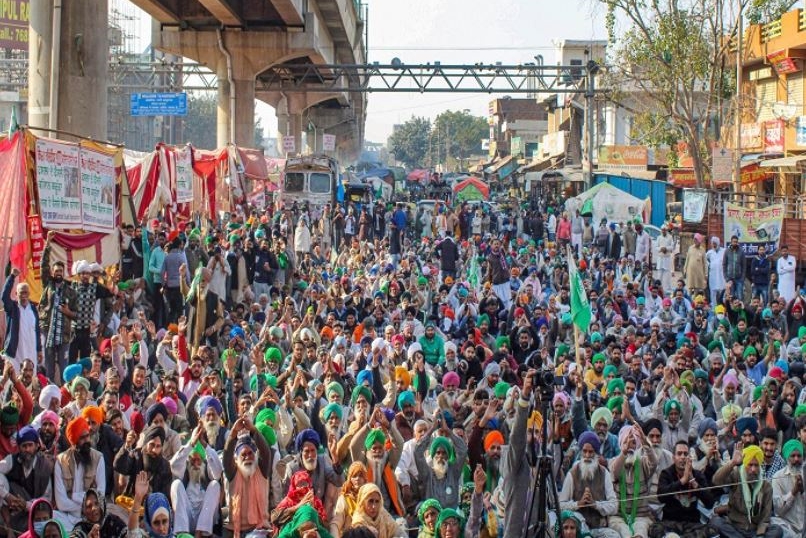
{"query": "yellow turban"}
pixel 536 421
pixel 751 453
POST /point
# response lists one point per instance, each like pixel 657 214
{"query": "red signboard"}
pixel 782 63
pixel 774 131
pixel 37 242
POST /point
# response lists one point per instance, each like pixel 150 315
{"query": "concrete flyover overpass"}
pixel 243 41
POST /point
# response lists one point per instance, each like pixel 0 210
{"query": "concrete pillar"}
pixel 40 39
pixel 84 68
pixel 223 111
pixel 245 113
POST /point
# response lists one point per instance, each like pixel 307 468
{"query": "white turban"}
pixel 450 346
pixel 47 394
pixel 82 267
pixel 414 348
pixel 96 268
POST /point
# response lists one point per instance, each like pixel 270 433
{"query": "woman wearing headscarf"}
pixel 300 493
pixel 41 512
pixel 93 512
pixel 304 523
pixel 157 514
pixel 54 529
pixel 428 513
pixel 370 513
pixel 346 503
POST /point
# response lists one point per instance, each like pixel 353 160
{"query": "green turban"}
pixel 361 391
pixel 233 238
pixel 79 382
pixel 304 514
pixel 500 341
pixel 714 344
pixel 123 286
pixel 500 390
pixel 687 380
pixel 268 433
pixel 335 386
pixel 671 404
pixel 266 414
pixel 615 403
pixel 562 349
pixel 599 357
pixel 375 435
pixel 442 442
pixel 253 381
pixel 802 332
pixel 271 380
pixel 449 513
pixel 758 392
pixel 405 398
pixel 135 349
pixel 484 318
pixel 331 409
pixel 793 445
pixel 750 350
pixel 199 450
pixel 601 413
pixel 609 369
pixel 10 415
pixel 800 410
pixel 422 281
pixel 273 355
pixel 615 384
pixel 427 505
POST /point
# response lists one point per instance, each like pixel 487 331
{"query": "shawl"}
pixel 300 485
pixel 111 525
pixel 384 525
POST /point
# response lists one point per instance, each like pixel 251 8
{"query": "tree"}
pixel 669 67
pixel 764 11
pixel 409 142
pixel 462 133
pixel 200 123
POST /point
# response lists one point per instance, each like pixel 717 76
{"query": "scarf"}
pixel 749 498
pixel 56 328
pixel 250 496
pixel 636 488
pixel 384 525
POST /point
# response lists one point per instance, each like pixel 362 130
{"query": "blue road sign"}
pixel 159 104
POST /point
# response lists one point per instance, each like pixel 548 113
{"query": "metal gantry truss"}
pixel 128 76
pixel 424 78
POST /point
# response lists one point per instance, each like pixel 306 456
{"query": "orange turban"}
pixel 93 413
pixel 403 375
pixel 493 438
pixel 326 332
pixel 75 429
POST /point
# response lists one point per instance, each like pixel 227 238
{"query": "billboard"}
pixel 754 227
pixel 14 24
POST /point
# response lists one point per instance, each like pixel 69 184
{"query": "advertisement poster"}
pixel 800 131
pixel 184 175
pixel 59 184
pixel 694 203
pixel 329 142
pixel 774 136
pixel 754 227
pixel 751 135
pixel 37 242
pixel 782 63
pixel 623 157
pixel 98 190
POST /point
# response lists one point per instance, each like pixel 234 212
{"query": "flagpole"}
pixel 577 355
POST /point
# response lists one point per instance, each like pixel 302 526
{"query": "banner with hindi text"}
pixel 184 175
pixel 754 227
pixel 59 183
pixel 97 190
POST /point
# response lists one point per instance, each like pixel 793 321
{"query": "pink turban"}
pixel 170 405
pixel 561 397
pixel 49 416
pixel 624 432
pixel 730 379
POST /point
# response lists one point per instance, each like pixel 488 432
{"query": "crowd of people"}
pixel 268 376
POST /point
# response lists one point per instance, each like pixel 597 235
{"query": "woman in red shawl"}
pixel 300 493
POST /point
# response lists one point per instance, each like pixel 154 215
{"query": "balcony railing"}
pixel 770 31
pixel 802 21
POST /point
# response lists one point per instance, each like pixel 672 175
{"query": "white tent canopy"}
pixel 609 203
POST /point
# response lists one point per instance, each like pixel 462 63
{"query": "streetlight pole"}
pixel 737 172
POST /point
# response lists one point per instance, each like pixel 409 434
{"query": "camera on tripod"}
pixel 544 381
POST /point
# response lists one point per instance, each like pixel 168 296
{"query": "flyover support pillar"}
pixel 289 118
pixel 239 129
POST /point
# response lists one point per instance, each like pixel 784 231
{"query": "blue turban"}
pixel 707 424
pixel 237 332
pixel 86 363
pixel 405 398
pixel 245 441
pixel 156 409
pixel 157 503
pixel 746 423
pixel 307 436
pixel 71 372
pixel 364 375
pixel 27 435
pixel 215 404
pixel 589 437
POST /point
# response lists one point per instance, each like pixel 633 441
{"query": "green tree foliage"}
pixel 409 142
pixel 200 123
pixel 669 68
pixel 764 11
pixel 462 133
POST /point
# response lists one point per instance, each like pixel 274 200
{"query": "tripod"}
pixel 543 489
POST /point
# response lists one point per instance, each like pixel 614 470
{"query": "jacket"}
pixel 12 309
pixel 760 271
pixel 46 301
pixel 733 264
pixel 737 512
pixel 448 254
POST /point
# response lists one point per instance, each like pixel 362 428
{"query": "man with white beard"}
pixel 631 470
pixel 369 447
pixel 247 469
pixel 324 474
pixel 196 489
pixel 442 476
pixel 210 412
pixel 588 488
pixel 787 486
pixel 406 470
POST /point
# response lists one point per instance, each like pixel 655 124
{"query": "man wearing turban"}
pixel 29 477
pixel 407 415
pixel 588 488
pixel 442 476
pixel 675 416
pixel 12 417
pixel 750 499
pixel 78 469
pixel 130 460
pixel 632 470
pixel 196 488
pixel 323 473
pixel 601 421
pixel 103 439
pixel 369 446
pixel 787 486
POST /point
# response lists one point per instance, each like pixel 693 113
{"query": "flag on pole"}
pixel 580 307
pixel 13 124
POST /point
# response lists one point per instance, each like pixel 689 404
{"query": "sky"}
pixel 457 32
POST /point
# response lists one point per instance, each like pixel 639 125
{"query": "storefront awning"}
pixel 501 164
pixel 792 161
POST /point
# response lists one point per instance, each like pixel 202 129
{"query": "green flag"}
pixel 580 307
pixel 13 125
